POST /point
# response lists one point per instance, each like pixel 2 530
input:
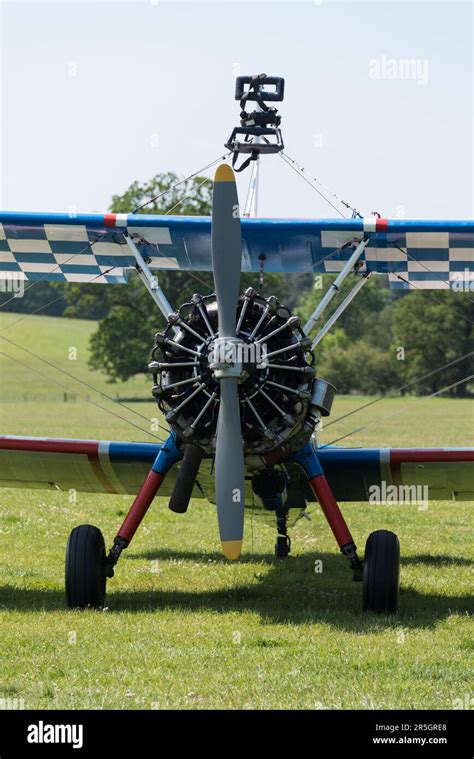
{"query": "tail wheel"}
pixel 381 574
pixel 85 568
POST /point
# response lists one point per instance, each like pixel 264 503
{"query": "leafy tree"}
pixel 47 298
pixel 361 318
pixel 359 367
pixel 433 328
pixel 387 339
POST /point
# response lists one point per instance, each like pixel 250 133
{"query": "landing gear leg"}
pixel 87 566
pixel 283 542
pixel 308 459
pixel 169 454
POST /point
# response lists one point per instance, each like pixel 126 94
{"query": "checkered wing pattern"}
pixel 93 248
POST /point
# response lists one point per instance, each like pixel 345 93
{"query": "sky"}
pixel 378 103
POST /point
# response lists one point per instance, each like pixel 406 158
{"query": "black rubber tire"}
pixel 85 570
pixel 381 573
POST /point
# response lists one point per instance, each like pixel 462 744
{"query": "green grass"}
pixel 186 629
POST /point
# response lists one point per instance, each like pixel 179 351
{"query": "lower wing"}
pixel 354 474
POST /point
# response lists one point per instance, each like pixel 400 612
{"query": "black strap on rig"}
pixel 269 115
pixel 252 157
pixel 262 123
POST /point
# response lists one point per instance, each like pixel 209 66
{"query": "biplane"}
pixel 235 373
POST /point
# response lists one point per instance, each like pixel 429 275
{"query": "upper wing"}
pixel 121 467
pixel 92 247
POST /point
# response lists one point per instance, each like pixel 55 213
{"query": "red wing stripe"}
pixel 406 456
pixel 85 447
pixel 428 456
pixel 381 225
pixel 89 448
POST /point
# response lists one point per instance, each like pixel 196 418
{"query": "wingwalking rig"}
pixel 259 128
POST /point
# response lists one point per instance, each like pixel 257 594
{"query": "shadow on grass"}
pixel 204 557
pixel 286 591
pixel 438 560
pixel 168 554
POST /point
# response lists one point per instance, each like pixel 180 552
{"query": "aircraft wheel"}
pixel 381 573
pixel 85 569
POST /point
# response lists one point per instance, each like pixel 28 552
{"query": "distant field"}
pixel 185 629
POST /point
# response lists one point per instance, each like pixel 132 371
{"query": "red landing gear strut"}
pixel 168 455
pixel 308 459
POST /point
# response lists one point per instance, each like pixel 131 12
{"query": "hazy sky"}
pixel 378 100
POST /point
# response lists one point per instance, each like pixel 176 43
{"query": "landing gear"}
pixel 283 542
pixel 85 568
pixel 381 572
pixel 282 546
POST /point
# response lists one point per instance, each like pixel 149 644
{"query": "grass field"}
pixel 186 629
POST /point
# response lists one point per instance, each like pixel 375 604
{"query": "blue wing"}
pixel 92 247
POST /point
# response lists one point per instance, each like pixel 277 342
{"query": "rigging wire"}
pixel 138 208
pixel 60 297
pixel 51 302
pixel 83 397
pixel 399 411
pixel 101 237
pixel 432 297
pixel 81 382
pixel 421 263
pixel 299 169
pixel 394 393
pixel 181 181
pixel 44 279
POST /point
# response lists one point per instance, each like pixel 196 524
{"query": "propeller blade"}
pixel 229 460
pixel 229 471
pixel 226 248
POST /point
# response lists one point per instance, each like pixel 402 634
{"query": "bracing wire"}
pixel 101 237
pixel 394 393
pixel 81 382
pixel 181 181
pixel 399 411
pixel 300 170
pixel 83 397
pixel 51 302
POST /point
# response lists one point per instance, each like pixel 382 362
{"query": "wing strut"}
pixel 335 287
pixel 149 280
pixel 340 309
